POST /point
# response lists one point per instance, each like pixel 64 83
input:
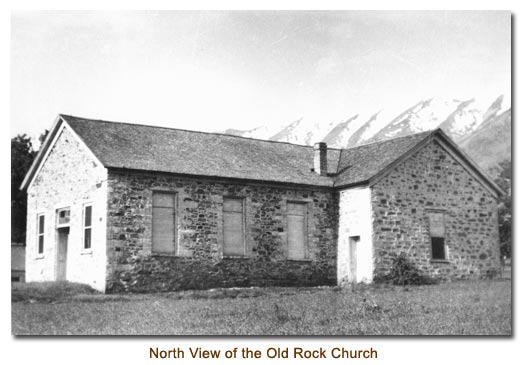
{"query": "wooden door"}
pixel 63 239
pixel 352 251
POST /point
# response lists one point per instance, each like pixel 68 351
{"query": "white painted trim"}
pixel 83 208
pixel 39 254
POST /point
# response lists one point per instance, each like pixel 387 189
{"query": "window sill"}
pixel 160 254
pixel 437 261
pixel 39 256
pixel 86 252
pixel 299 260
pixel 236 257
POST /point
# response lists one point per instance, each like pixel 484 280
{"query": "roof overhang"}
pixel 234 180
pixel 42 152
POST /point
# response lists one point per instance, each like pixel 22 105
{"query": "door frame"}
pixel 61 229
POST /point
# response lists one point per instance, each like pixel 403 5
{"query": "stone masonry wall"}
pixel 200 263
pixel 69 177
pixel 432 180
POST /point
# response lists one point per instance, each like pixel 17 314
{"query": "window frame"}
pixel 175 250
pixel 85 227
pixel 40 254
pixel 431 236
pixel 305 204
pixel 58 213
pixel 243 221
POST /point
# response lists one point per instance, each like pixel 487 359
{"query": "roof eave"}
pixel 352 185
pixel 215 177
pixel 41 152
pixel 484 175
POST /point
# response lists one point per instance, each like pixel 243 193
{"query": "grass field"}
pixel 459 308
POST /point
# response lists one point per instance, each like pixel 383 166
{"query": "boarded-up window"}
pixel 437 235
pixel 234 244
pixel 41 233
pixel 87 227
pixel 297 231
pixel 163 223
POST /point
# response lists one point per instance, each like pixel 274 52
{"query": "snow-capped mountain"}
pixel 374 124
pixel 490 143
pixel 482 128
pixel 425 115
pixel 304 131
pixel 464 119
pixel 262 132
pixel 341 133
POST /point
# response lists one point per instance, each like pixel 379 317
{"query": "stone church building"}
pixel 128 207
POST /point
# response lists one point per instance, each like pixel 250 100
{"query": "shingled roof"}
pixel 143 147
pixel 360 164
pixel 149 148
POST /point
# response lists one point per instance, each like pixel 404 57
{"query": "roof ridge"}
pixel 192 131
pixel 429 131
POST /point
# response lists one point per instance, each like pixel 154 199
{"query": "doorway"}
pixel 63 239
pixel 352 253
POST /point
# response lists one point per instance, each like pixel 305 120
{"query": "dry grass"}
pixel 459 308
pixel 48 292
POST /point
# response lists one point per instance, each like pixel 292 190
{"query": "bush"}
pixel 404 272
pixel 48 291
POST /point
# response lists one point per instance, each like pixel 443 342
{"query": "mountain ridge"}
pixel 481 130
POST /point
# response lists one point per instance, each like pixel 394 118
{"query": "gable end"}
pixel 455 152
pixel 46 148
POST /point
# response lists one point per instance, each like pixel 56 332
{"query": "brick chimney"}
pixel 320 158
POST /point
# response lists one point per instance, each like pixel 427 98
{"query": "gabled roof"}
pixel 143 147
pixel 360 164
pixel 367 164
pixel 149 148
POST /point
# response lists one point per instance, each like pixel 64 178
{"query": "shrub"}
pixel 404 272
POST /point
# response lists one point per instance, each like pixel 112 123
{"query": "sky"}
pixel 213 70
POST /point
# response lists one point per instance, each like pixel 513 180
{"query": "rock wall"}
pixel 199 262
pixel 434 181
